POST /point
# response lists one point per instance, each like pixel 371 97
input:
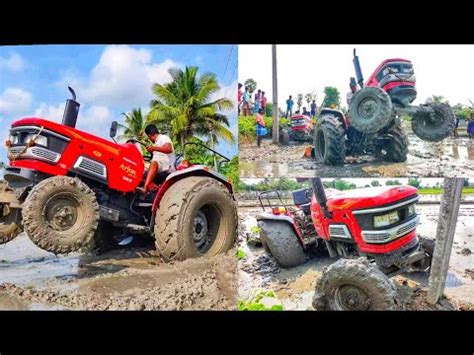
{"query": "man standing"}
pixel 163 155
pixel 239 97
pixel 258 99
pixel 261 130
pixel 289 107
pixel 263 102
pixel 313 108
pixel 246 102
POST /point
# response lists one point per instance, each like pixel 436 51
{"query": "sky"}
pixel 445 70
pixel 108 80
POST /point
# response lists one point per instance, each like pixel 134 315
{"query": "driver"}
pixel 163 154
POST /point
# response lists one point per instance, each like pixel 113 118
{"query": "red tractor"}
pixel 300 129
pixel 372 125
pixel 376 225
pixel 69 190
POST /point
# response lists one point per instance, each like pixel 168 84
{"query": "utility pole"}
pixel 448 215
pixel 276 121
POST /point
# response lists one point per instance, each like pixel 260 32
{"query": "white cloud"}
pixel 15 101
pixel 440 69
pixel 14 62
pixel 50 112
pixel 123 75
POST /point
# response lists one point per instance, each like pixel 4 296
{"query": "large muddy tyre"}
pixel 10 218
pixel 284 137
pixel 282 243
pixel 354 284
pixel 370 110
pixel 437 128
pixel 428 246
pixel 61 215
pixel 197 216
pixel 395 148
pixel 329 141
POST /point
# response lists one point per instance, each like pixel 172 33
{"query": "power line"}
pixel 227 64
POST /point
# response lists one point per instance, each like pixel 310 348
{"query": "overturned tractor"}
pixel 373 124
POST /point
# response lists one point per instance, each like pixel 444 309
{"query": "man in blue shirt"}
pixel 313 109
pixel 289 107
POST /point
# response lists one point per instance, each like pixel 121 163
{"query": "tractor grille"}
pixel 90 166
pixel 385 236
pixel 339 231
pixel 37 153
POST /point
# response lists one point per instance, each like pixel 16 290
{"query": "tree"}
pixel 437 99
pixel 187 106
pixel 392 183
pixel 414 182
pixel 251 84
pixel 299 101
pixel 375 183
pixel 134 125
pixel 332 97
pixel 461 111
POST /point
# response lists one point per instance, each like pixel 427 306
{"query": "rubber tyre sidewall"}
pixel 61 242
pixel 175 215
pixel 334 141
pixel 431 133
pixel 377 123
pixel 358 272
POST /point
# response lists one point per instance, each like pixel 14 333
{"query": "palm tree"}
pixel 187 106
pixel 134 125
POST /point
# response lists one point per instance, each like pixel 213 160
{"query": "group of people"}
pixel 248 106
pixel 289 109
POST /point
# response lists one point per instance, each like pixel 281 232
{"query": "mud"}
pixel 126 279
pixel 451 157
pixel 294 287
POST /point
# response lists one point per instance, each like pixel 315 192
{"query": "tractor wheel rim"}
pixel 351 298
pixel 200 230
pixel 61 212
pixel 368 108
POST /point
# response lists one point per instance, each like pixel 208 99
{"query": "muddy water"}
pixel 451 157
pixel 295 287
pixel 131 278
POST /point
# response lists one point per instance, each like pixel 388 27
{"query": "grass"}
pixel 240 253
pixel 248 129
pixel 254 303
pixel 439 190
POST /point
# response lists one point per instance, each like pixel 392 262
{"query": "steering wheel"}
pixel 147 157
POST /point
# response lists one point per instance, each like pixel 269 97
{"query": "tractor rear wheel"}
pixel 437 128
pixel 10 218
pixel 197 217
pixel 354 285
pixel 370 110
pixel 284 137
pixel 329 141
pixel 61 215
pixel 395 148
pixel 282 243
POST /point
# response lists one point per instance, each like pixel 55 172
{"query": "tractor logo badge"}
pixel 128 170
pixel 97 153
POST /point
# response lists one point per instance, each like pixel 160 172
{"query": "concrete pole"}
pixel 276 124
pixel 448 215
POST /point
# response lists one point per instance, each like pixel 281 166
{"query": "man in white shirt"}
pixel 163 155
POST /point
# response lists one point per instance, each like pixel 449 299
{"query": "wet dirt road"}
pixel 451 157
pixel 294 288
pixel 127 279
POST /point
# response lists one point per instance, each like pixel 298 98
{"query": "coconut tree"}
pixel 134 125
pixel 251 84
pixel 188 106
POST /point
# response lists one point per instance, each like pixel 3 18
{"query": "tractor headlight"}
pixel 386 219
pixel 411 210
pixel 41 140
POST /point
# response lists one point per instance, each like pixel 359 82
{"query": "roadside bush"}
pixel 248 129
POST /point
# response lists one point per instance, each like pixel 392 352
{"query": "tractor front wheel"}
pixel 61 215
pixel 329 141
pixel 354 285
pixel 197 217
pixel 281 241
pixel 436 128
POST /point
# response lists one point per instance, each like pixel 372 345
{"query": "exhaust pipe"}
pixel 320 194
pixel 358 70
pixel 71 110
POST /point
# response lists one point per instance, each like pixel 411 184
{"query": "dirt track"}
pixel 128 279
pixel 451 157
pixel 294 287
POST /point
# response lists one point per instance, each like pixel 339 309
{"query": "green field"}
pixel 439 190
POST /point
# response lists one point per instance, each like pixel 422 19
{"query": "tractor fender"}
pixel 266 216
pixel 196 170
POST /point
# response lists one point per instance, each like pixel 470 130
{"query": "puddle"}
pixel 453 281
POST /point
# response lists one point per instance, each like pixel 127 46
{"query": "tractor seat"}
pixel 161 177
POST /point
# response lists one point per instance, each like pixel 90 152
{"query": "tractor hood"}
pixel 367 197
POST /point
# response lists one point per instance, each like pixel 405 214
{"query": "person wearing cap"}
pixel 163 155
